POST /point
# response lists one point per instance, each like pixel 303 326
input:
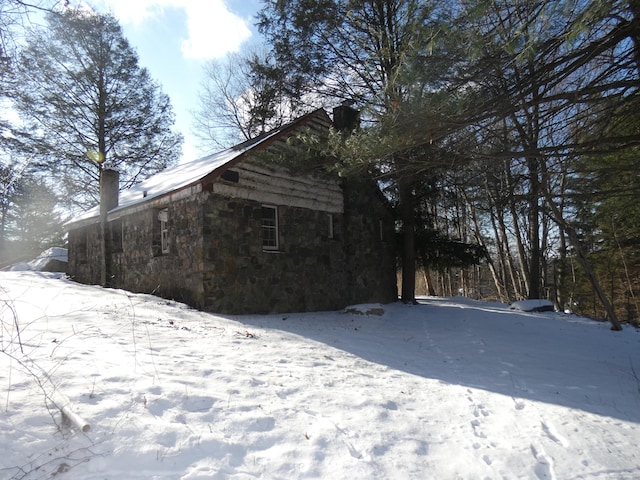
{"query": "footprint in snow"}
pixel 518 403
pixel 480 410
pixel 477 431
pixel 544 465
pixel 550 432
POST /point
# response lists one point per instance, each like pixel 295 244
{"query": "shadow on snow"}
pixel 546 357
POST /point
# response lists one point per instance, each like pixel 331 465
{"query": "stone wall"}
pixel 306 273
pixel 143 267
pixel 312 269
pixel 216 261
pixel 370 244
pixel 137 262
pixel 84 254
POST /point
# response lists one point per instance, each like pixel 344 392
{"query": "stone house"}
pixel 236 233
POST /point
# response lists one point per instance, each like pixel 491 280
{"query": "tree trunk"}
pixel 533 273
pixel 497 281
pixel 509 261
pixel 563 300
pixel 3 216
pixel 574 240
pixel 406 206
pixel 522 256
pixel 427 280
pixel 593 278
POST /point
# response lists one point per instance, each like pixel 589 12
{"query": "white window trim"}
pixel 275 227
pixel 164 231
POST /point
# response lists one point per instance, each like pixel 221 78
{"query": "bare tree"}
pixel 240 99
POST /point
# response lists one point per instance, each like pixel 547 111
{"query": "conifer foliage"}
pixel 88 104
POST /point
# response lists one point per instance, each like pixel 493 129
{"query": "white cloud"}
pixel 213 30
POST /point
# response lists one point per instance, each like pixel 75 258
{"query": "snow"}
pixel 167 181
pixel 535 305
pixel 448 388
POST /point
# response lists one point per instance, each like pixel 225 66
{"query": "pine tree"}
pixel 36 224
pixel 363 52
pixel 89 103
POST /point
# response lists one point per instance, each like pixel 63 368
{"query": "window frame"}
pixel 116 230
pixel 163 217
pixel 331 234
pixel 270 241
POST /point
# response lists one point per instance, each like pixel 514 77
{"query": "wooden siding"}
pixel 276 186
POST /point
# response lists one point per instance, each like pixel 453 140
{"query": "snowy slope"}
pixel 446 389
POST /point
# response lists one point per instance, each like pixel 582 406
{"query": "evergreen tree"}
pixel 29 218
pixel 14 14
pixel 9 186
pixel 36 224
pixel 366 52
pixel 604 196
pixel 89 103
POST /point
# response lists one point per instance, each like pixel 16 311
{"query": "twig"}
pixel 133 328
pixel 6 404
pixel 15 323
pixel 246 334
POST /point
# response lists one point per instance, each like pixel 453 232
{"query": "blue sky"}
pixel 175 38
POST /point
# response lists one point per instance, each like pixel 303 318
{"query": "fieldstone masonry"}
pixel 216 261
pixel 335 238
pixel 307 272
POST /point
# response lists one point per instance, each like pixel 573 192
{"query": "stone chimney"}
pixel 345 117
pixel 109 189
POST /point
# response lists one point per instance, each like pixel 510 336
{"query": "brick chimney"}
pixel 109 188
pixel 345 117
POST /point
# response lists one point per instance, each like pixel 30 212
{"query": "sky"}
pixel 175 38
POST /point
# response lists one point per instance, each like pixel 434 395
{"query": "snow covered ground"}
pixel 447 389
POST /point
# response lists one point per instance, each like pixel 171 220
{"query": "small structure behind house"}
pixel 53 259
pixel 237 233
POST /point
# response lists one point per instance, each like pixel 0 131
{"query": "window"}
pixel 330 225
pixel 164 237
pixel 116 235
pixel 230 176
pixel 163 217
pixel 269 227
pixel 82 252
